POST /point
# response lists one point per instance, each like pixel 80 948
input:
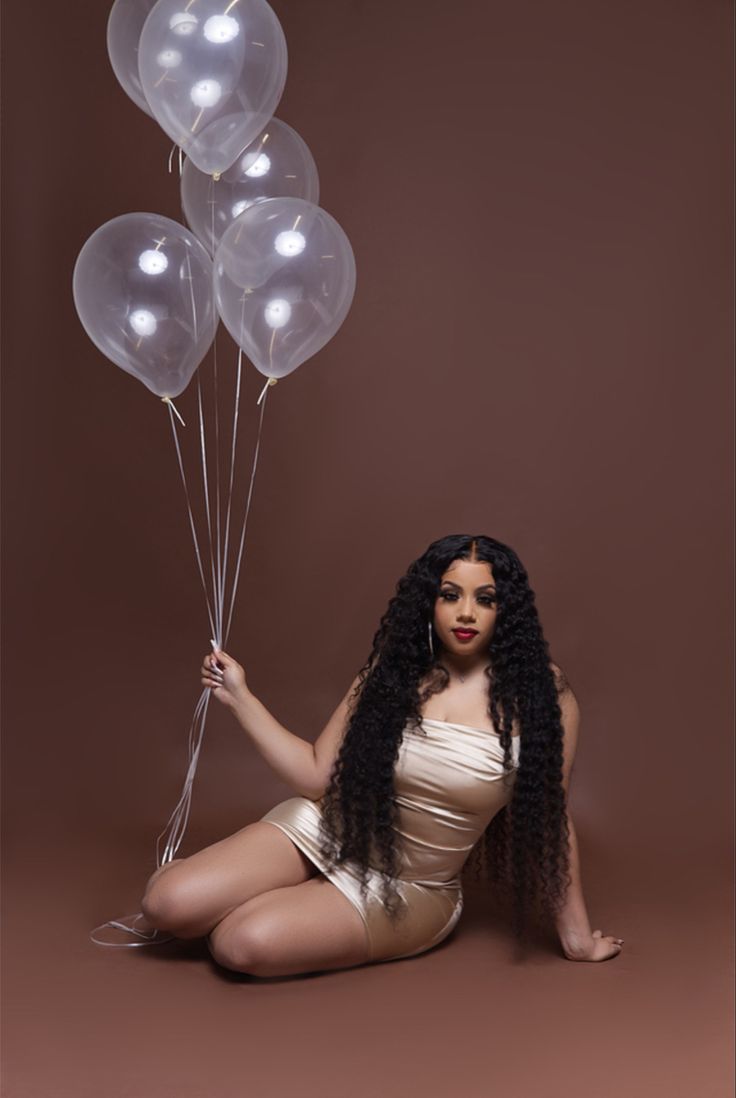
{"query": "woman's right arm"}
pixel 305 767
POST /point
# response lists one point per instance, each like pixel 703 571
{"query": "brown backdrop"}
pixel 539 349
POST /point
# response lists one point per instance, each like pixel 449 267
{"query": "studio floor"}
pixel 87 1021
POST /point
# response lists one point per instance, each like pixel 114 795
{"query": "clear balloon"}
pixel 212 75
pixel 277 164
pixel 142 286
pixel 284 282
pixel 124 26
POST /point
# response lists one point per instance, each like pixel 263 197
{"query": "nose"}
pixel 465 613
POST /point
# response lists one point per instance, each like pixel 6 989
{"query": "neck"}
pixel 463 666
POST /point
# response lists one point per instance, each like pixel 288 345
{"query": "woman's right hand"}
pixel 224 676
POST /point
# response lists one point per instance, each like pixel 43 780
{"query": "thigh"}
pixel 198 891
pixel 302 928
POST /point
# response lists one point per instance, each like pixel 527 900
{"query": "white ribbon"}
pixel 177 823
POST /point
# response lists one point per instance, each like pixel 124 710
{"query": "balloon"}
pixel 284 282
pixel 212 74
pixel 278 163
pixel 143 289
pixel 124 27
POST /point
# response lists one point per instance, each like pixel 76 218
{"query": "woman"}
pixel 457 729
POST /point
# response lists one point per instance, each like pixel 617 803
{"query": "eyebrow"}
pixel 481 588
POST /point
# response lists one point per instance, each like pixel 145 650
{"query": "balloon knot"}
pixel 172 408
pixel 216 176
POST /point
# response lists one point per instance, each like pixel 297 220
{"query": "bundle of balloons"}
pixel 259 253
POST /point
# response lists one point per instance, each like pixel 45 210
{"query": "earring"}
pixel 431 646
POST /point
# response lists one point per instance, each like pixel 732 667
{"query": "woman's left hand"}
pixel 597 947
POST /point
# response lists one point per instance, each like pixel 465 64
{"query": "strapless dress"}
pixel 448 785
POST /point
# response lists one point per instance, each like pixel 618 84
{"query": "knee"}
pixel 159 901
pixel 168 903
pixel 245 947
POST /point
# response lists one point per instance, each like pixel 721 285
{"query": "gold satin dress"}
pixel 449 785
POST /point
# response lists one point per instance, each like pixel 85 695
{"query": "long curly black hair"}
pixel 525 848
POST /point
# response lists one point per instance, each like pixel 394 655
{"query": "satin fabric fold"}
pixel 449 782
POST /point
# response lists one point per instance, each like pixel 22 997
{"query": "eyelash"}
pixel 488 600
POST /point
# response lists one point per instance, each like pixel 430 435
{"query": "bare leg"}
pixel 306 927
pixel 141 922
pixel 190 896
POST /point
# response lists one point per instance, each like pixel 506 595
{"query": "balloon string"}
pixel 271 381
pixel 169 401
pixel 176 826
pixel 247 507
pixel 177 823
pixel 205 484
pixel 151 937
pixel 180 816
pixel 191 516
pixel 234 438
pixel 217 442
pixel 174 147
pixel 236 412
pixel 193 303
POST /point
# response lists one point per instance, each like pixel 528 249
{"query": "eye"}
pixel 487 600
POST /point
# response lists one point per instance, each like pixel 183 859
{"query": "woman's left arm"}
pixel 578 942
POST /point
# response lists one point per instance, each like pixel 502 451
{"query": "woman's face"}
pixel 466 601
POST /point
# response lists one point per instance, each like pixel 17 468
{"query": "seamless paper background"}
pixel 540 349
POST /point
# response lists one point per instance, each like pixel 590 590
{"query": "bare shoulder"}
pixel 562 683
pixel 570 711
pixel 565 694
